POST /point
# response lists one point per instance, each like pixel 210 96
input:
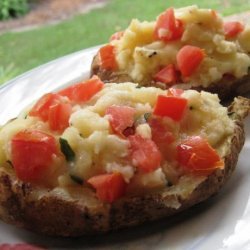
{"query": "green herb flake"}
pixel 147 116
pixel 76 179
pixel 67 150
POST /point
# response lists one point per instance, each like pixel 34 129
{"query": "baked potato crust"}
pixel 227 88
pixel 52 213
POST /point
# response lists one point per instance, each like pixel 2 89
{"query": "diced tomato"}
pixel 196 155
pixel 170 106
pixel 145 154
pixel 189 59
pixel 179 29
pixel 214 13
pixel 32 153
pixel 41 108
pixel 167 75
pixel 232 29
pixel 107 56
pixel 109 187
pixel 120 117
pixel 167 27
pixel 59 115
pixel 161 134
pixel 116 36
pixel 84 91
pixel 174 92
pixel 54 109
pixel 19 246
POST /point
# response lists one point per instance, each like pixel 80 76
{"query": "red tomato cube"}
pixel 196 155
pixel 109 187
pixel 167 27
pixel 32 154
pixel 189 59
pixel 41 108
pixel 144 153
pixel 84 91
pixel 107 57
pixel 120 117
pixel 167 75
pixel 232 29
pixel 171 106
pixel 59 115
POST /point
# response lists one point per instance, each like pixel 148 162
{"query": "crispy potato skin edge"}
pixel 53 215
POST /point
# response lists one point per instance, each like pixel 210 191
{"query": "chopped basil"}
pixel 142 119
pixel 147 116
pixel 76 179
pixel 67 150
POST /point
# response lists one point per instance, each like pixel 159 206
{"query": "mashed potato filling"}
pixel 141 56
pixel 99 149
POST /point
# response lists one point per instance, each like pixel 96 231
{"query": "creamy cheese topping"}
pixel 141 56
pixel 98 149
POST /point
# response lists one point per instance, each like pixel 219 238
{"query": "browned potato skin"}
pixel 107 75
pixel 227 88
pixel 52 214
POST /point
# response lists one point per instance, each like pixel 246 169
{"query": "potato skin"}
pixel 227 88
pixel 108 75
pixel 53 214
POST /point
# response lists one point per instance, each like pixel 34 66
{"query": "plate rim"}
pixel 31 71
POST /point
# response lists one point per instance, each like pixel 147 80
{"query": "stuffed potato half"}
pixel 119 158
pixel 188 47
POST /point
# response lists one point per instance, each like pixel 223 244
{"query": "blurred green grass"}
pixel 21 51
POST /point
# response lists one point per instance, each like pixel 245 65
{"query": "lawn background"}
pixel 21 51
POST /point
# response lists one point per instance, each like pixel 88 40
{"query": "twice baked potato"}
pixel 188 48
pixel 96 157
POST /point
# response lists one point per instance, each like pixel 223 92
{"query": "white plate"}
pixel 222 222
